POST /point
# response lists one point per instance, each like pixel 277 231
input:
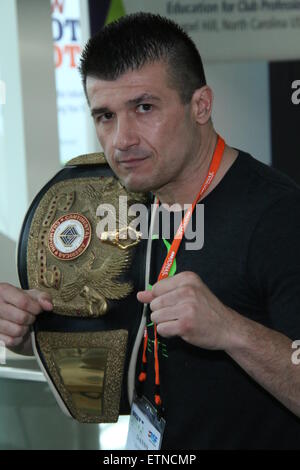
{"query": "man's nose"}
pixel 125 134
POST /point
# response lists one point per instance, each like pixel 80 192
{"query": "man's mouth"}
pixel 132 161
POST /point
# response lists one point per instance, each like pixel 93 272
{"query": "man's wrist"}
pixel 240 332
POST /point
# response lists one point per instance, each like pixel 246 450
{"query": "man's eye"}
pixel 144 108
pixel 104 117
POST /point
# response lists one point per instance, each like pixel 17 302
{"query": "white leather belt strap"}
pixel 140 333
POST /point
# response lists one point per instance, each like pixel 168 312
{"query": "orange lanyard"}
pixel 167 265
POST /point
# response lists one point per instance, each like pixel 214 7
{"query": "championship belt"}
pixel 93 276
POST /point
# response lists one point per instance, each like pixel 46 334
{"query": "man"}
pixel 227 318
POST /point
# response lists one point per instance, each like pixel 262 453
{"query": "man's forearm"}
pixel 266 356
pixel 182 305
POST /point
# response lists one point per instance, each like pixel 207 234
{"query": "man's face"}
pixel 145 130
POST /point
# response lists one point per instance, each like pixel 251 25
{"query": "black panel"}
pixel 98 14
pixel 285 118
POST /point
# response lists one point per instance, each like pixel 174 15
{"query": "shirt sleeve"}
pixel 273 263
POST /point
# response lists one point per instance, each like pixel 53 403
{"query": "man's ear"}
pixel 201 102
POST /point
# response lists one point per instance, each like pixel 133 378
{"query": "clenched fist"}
pixel 18 310
pixel 183 306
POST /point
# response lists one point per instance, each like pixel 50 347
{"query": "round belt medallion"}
pixel 69 236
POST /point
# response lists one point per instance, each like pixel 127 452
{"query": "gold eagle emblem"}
pixel 97 285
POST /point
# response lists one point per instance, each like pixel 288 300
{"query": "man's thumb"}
pixel 42 298
pixel 145 296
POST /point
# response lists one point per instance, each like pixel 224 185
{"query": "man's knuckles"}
pixel 186 323
pixel 180 295
pixel 18 331
pixel 24 319
pixel 22 303
pixel 157 303
pixel 187 292
pixel 13 342
pixel 13 329
pixel 185 314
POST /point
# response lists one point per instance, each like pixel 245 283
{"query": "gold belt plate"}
pixel 87 371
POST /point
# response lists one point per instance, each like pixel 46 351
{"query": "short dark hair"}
pixel 138 39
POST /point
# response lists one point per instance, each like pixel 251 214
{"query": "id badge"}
pixel 145 428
